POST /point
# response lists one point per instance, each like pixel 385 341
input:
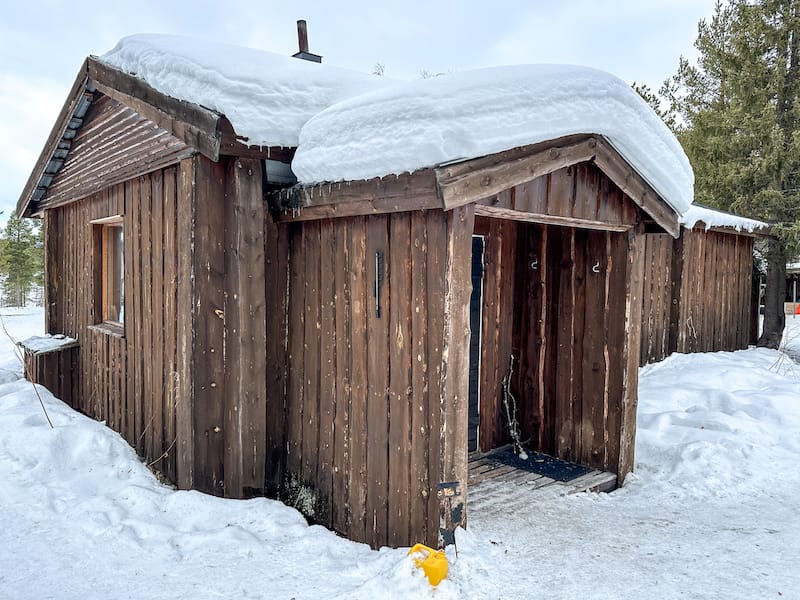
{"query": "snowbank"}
pixel 716 218
pixel 464 115
pixel 710 512
pixel 267 97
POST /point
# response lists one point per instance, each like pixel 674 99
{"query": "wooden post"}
pixel 245 330
pixel 633 325
pixel 454 399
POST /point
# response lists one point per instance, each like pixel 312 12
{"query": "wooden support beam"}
pixel 467 182
pixel 454 386
pixel 407 192
pixel 630 182
pixel 194 125
pixel 518 215
pixel 630 354
pixel 232 144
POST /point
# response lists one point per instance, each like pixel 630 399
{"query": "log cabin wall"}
pixel 371 415
pixel 565 302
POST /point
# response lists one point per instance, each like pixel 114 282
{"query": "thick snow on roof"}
pixel 424 123
pixel 267 97
pixel 715 218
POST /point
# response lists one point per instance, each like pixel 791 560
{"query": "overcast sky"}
pixel 43 43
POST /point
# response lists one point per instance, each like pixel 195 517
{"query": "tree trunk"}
pixel 755 304
pixel 774 295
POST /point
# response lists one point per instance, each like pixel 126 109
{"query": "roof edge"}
pixel 51 145
pixel 196 126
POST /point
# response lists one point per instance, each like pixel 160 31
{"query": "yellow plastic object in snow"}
pixel 432 562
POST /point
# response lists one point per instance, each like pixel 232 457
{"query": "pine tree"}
pixel 21 259
pixel 737 115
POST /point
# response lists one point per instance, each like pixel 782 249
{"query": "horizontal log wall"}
pixel 361 448
pixel 127 381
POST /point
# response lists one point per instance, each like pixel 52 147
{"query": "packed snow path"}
pixel 712 511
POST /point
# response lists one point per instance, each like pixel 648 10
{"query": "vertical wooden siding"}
pixel 715 291
pixel 697 293
pixel 364 395
pixel 657 298
pixel 129 380
pixel 558 299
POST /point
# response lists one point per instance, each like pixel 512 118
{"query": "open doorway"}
pixel 475 318
pixel 553 298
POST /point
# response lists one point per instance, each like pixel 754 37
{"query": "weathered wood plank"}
pixel 170 372
pixel 295 363
pixel 563 221
pixel 185 383
pixel 594 366
pixel 147 325
pixel 420 488
pixel 157 318
pixel 630 182
pixel 245 330
pixel 393 193
pixel 377 380
pixel 436 282
pixel 276 279
pixel 328 391
pixel 459 186
pixel 311 362
pixel 342 352
pixel 208 302
pixel 400 379
pixel 561 195
pixel 583 265
pixel 360 307
pixel 454 389
pixel 564 363
pixel 630 357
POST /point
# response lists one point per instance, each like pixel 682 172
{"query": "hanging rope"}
pixel 510 404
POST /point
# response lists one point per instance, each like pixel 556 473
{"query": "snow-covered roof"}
pixel 424 123
pixel 350 126
pixel 266 97
pixel 716 218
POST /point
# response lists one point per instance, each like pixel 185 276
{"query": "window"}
pixel 110 272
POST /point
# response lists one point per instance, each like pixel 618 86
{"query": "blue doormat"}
pixel 541 464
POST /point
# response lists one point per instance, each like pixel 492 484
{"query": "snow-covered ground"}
pixel 711 512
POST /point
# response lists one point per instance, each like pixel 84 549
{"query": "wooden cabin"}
pixel 341 347
pixel 698 291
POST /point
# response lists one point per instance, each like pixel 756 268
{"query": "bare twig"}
pixel 164 454
pixel 25 368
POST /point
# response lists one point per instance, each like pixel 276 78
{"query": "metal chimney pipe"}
pixel 302 35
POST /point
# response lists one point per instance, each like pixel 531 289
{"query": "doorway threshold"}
pixel 499 472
